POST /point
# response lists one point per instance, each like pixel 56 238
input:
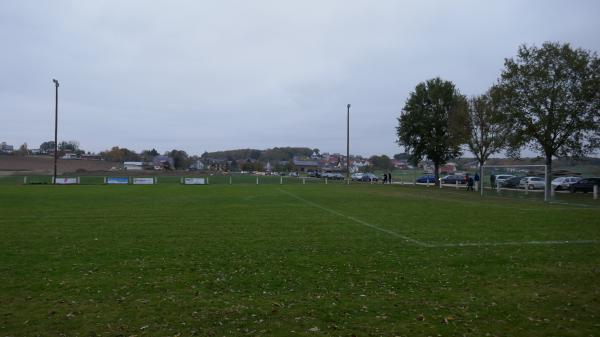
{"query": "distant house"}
pixel 69 156
pixel 5 148
pixel 133 165
pixel 472 165
pixel 400 164
pixel 306 165
pixel 197 166
pixel 90 157
pixel 162 162
pixel 448 168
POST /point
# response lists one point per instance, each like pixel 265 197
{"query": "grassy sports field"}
pixel 294 260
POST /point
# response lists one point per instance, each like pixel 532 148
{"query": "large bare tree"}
pixel 488 128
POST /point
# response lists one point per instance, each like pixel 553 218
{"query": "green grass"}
pixel 293 260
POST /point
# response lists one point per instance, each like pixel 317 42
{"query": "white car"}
pixel 563 183
pixel 501 178
pixel 532 183
pixel 357 176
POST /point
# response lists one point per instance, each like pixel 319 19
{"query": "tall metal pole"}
pixel 348 144
pixel 55 127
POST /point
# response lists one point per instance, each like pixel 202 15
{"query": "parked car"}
pixel 428 178
pixel 532 183
pixel 512 182
pixel 314 174
pixel 584 185
pixel 368 177
pixel 337 176
pixel 357 176
pixel 563 183
pixel 501 178
pixel 453 179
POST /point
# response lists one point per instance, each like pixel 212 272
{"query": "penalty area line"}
pixel 358 221
pixel 440 245
pixel 515 243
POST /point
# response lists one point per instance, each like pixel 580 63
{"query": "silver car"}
pixel 563 183
pixel 531 183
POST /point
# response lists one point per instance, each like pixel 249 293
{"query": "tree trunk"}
pixel 481 163
pixel 436 173
pixel 548 177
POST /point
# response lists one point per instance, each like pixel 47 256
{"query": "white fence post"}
pixel 456 183
pixel 280 180
pixel 441 183
pixel 207 181
pixel 595 192
pixel 325 181
pixel 256 180
pixel 303 181
pixel 551 190
pixel 25 180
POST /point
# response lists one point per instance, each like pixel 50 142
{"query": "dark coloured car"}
pixel 368 177
pixel 453 179
pixel 585 185
pixel 512 182
pixel 429 178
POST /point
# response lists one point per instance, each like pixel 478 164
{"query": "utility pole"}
pixel 348 144
pixel 55 127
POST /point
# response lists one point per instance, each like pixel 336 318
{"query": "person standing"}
pixel 469 182
pixel 493 180
pixel 477 179
pixel 385 178
pixel 389 177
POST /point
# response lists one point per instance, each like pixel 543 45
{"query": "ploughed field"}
pixel 294 260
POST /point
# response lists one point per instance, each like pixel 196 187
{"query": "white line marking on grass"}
pixel 442 245
pixel 358 221
pixel 515 243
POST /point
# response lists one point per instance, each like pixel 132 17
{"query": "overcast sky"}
pixel 214 75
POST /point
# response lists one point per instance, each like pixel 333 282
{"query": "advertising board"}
pixel 194 181
pixel 117 180
pixel 143 181
pixel 66 181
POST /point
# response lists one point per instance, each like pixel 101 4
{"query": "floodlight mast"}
pixel 55 128
pixel 348 144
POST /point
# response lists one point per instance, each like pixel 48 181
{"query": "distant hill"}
pixel 45 165
pixel 274 154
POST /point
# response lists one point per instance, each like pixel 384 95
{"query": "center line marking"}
pixel 358 221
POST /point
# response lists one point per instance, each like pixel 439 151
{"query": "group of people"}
pixel 387 178
pixel 470 181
